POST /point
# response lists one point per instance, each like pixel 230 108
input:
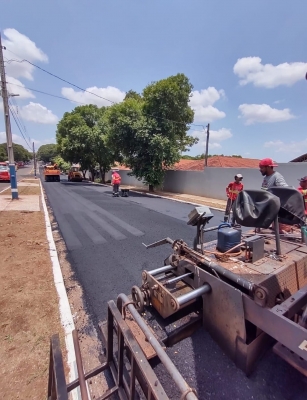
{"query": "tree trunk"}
pixel 84 173
pixel 151 188
pixel 102 174
pixel 92 175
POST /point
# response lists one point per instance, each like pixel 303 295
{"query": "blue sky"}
pixel 246 60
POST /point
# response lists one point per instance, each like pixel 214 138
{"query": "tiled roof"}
pixel 216 161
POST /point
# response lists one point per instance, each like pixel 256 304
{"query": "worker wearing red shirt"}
pixel 232 191
pixel 303 190
pixel 116 179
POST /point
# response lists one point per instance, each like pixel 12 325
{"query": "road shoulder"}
pixel 29 310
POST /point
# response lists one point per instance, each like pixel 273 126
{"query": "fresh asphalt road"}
pixel 21 173
pixel 104 237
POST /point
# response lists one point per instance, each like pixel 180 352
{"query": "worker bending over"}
pixel 303 189
pixel 116 179
pixel 232 191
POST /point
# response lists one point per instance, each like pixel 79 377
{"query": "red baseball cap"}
pixel 304 179
pixel 267 162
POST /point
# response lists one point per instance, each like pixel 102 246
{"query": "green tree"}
pixel 151 133
pixel 20 153
pixel 47 152
pixel 131 94
pixel 63 165
pixel 81 138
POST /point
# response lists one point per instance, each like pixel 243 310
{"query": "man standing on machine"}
pixel 232 191
pixel 271 177
pixel 116 179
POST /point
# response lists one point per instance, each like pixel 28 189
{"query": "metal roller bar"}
pixel 194 294
pixel 158 271
pixel 166 361
pixel 178 278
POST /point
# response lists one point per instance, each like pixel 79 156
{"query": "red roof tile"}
pixel 216 161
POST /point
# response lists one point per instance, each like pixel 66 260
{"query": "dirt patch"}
pixel 28 305
pixel 24 190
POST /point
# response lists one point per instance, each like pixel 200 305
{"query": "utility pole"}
pixel 34 159
pixel 207 145
pixel 9 140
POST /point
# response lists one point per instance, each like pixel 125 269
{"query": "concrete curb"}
pixel 64 307
pixel 3 190
pixel 165 197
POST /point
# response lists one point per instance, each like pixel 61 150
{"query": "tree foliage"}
pixel 47 152
pixel 151 132
pixel 81 138
pixel 20 153
pixel 63 165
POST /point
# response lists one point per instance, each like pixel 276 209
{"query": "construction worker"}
pixel 271 177
pixel 232 191
pixel 303 189
pixel 116 179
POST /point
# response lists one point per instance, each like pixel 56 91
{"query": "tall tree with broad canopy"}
pixel 150 132
pixel 47 152
pixel 80 138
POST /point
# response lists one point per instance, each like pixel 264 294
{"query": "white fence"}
pixel 213 181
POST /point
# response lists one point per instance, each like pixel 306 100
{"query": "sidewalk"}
pixel 29 311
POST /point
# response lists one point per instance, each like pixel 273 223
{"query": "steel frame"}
pixel 122 349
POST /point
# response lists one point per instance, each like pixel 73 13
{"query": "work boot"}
pixel 226 218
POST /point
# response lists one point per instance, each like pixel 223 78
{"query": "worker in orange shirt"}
pixel 232 191
pixel 303 189
pixel 116 179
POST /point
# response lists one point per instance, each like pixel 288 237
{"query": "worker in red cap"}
pixel 232 191
pixel 271 177
pixel 303 189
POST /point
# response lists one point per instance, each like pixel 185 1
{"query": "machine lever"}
pixel 159 243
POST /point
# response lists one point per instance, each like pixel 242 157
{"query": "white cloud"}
pixel 25 48
pixel 214 145
pixel 214 139
pixel 291 147
pixel 37 113
pixel 263 113
pixel 251 70
pixel 19 140
pixel 19 89
pixel 202 104
pixel 16 139
pixel 110 93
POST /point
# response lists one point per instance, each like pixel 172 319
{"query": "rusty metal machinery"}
pixel 250 297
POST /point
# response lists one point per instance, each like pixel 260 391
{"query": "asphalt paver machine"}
pixel 247 289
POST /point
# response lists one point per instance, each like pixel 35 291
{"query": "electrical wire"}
pixel 87 91
pixel 48 94
pixel 17 124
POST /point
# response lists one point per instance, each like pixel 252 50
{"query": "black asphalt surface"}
pixel 104 237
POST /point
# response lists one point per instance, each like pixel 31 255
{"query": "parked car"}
pixel 4 173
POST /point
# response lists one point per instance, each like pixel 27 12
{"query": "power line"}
pixel 87 91
pixel 48 94
pixel 17 124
